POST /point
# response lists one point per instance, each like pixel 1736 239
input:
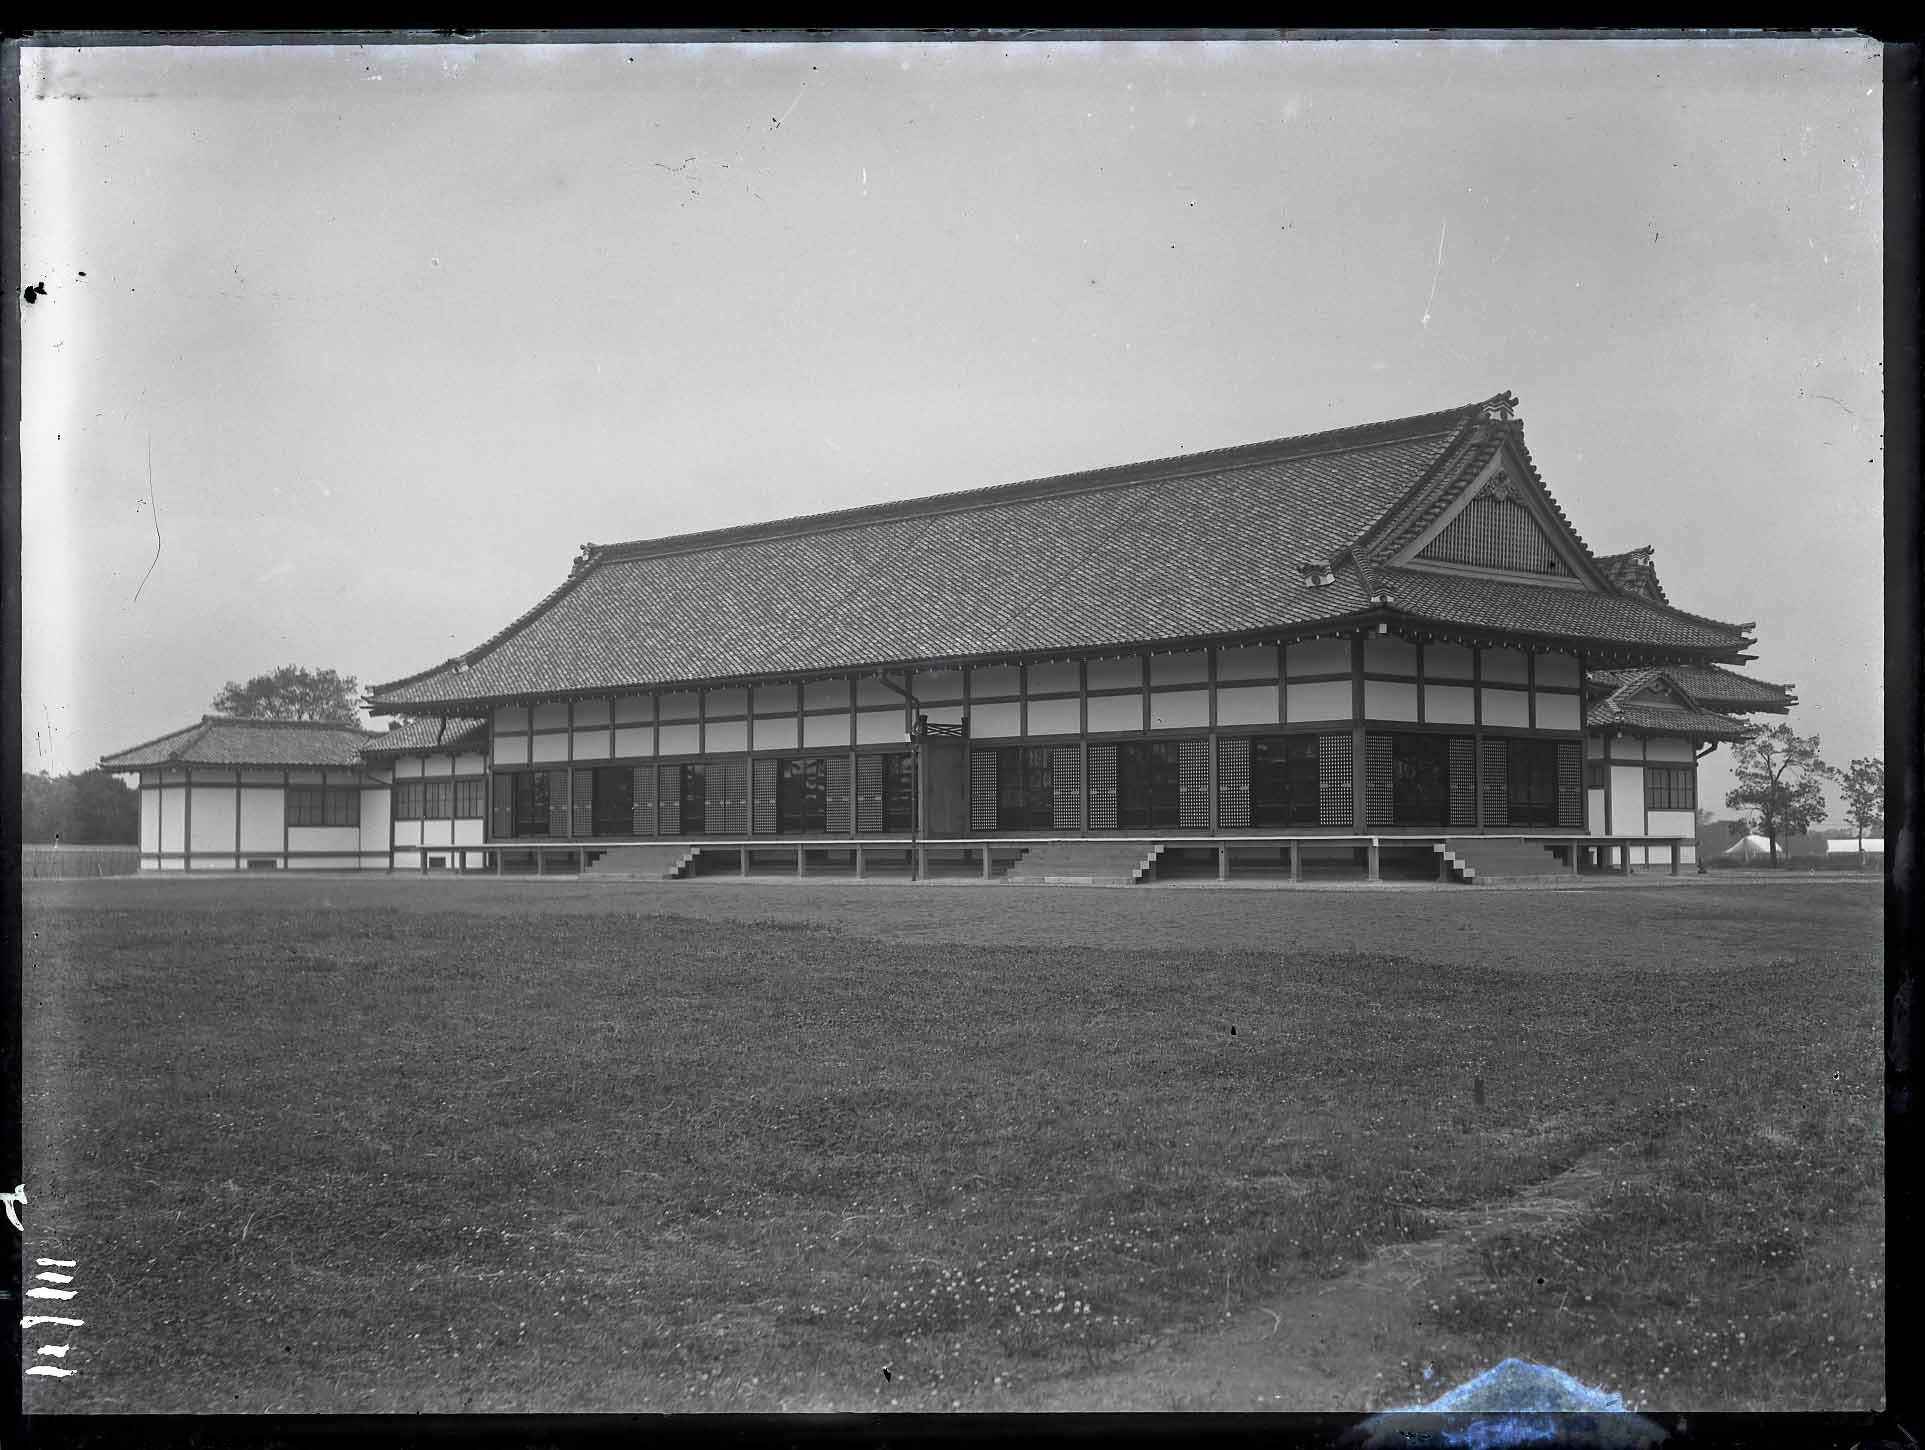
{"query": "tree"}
pixel 1780 783
pixel 90 807
pixel 1863 786
pixel 292 693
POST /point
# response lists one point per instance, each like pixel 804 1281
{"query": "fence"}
pixel 69 861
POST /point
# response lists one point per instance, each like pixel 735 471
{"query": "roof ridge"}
pixel 198 725
pixel 263 720
pixel 1364 435
pixel 1355 437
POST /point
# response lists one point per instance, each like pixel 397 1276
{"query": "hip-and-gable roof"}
pixel 1278 537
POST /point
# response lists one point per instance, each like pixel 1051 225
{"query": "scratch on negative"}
pixel 1438 272
pixel 153 507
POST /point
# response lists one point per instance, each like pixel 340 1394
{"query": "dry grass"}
pixel 358 1146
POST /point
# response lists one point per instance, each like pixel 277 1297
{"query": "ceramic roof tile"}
pixel 1170 550
pixel 226 741
pixel 429 735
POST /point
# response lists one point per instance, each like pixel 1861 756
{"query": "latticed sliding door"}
pixel 1497 783
pixel 869 769
pixel 558 803
pixel 1102 787
pixel 1336 806
pixel 501 824
pixel 727 807
pixel 1463 781
pixel 1380 782
pixel 1233 784
pixel 839 815
pixel 584 802
pixel 1570 783
pixel 1066 773
pixel 982 790
pixel 670 803
pixel 642 806
pixel 1193 785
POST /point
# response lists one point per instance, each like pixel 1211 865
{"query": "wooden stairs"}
pixel 641 863
pixel 1084 863
pixel 1474 859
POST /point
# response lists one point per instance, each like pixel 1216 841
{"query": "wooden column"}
pixel 187 820
pixel 1359 752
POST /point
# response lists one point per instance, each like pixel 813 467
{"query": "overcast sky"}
pixel 403 327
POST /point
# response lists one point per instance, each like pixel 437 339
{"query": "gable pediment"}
pixel 1500 525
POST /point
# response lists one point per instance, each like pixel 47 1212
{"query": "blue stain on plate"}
pixel 1515 1404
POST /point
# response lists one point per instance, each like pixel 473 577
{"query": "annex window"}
pixel 437 800
pixel 1420 779
pixel 313 805
pixel 407 803
pixel 471 799
pixel 1671 788
pixel 694 793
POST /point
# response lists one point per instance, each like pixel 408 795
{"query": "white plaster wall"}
pixel 1326 700
pixel 1627 801
pixel 262 815
pixel 1594 812
pixel 1179 709
pixel 1247 705
pixel 636 740
pixel 821 730
pixel 470 833
pixel 173 818
pixel 726 737
pixel 1672 748
pixel 214 819
pixel 1114 712
pixel 511 750
pixel 325 838
pixel 1507 707
pixel 1626 747
pixel 408 767
pixel 996 722
pixel 1555 669
pixel 549 748
pixel 376 806
pixel 1449 704
pixel 1390 700
pixel 1055 717
pixel 150 818
pixel 437 833
pixel 472 764
pixel 1557 712
pixel 591 744
pixel 407 833
pixel 438 766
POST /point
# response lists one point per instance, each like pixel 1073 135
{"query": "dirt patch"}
pixel 1348 1344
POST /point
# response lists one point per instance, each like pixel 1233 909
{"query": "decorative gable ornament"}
pixel 1502 489
pixel 1318 572
pixel 1501 409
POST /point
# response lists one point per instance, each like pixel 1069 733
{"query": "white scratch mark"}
pixel 27 1321
pixel 1438 273
pixel 53 1278
pixel 58 1351
pixel 50 1293
pixel 792 104
pixel 52 1369
pixel 58 1263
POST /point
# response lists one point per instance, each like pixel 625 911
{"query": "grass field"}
pixel 341 1145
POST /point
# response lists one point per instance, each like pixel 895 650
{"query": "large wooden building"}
pixel 1332 646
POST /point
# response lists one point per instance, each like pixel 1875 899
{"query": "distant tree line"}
pixel 87 808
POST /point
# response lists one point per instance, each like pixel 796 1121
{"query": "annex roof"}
pixel 429 735
pixel 1720 689
pixel 228 741
pixel 1633 707
pixel 1230 542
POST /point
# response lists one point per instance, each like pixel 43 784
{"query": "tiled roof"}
pixel 224 740
pixel 1172 550
pixel 1634 573
pixel 1552 612
pixel 1728 690
pixel 1622 710
pixel 430 735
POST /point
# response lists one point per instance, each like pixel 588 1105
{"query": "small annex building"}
pixel 1382 633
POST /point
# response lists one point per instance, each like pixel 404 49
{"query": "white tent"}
pixel 1874 846
pixel 1749 848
